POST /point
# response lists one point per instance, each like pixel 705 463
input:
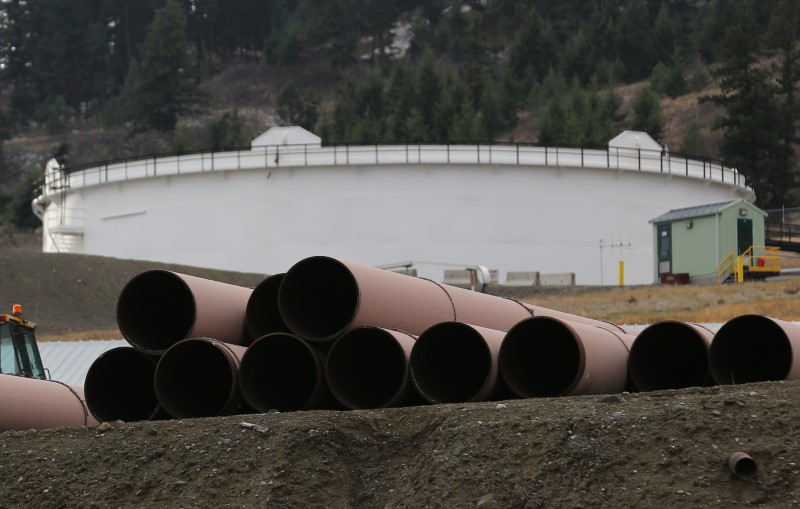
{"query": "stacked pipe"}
pixel 28 403
pixel 187 336
pixel 336 334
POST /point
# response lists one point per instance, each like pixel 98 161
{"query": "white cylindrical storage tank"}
pixel 509 207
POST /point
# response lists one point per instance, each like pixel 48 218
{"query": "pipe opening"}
pixel 540 357
pixel 318 298
pixel 155 310
pixel 262 314
pixel 366 368
pixel 195 378
pixel 742 465
pixel 750 348
pixel 279 372
pixel 668 355
pixel 119 386
pixel 450 363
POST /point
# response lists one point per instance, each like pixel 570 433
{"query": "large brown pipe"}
pixel 368 368
pixel 754 348
pixel 28 403
pixel 197 377
pixel 567 317
pixel 544 356
pixel 158 308
pixel 321 298
pixel 453 362
pixel 670 355
pixel 280 371
pixel 119 386
pixel 262 314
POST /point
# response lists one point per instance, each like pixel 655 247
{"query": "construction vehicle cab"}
pixel 19 353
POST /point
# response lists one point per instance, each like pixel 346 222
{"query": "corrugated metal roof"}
pixel 690 212
pixel 69 361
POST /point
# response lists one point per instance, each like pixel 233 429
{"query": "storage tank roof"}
pixel 286 135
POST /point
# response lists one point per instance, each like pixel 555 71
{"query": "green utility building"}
pixel 701 243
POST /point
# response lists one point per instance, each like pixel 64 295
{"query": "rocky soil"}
pixel 659 449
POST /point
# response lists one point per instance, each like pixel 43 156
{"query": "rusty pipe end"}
pixel 452 363
pixel 318 298
pixel 197 377
pixel 670 355
pixel 368 368
pixel 282 372
pixel 119 386
pixel 155 310
pixel 262 315
pixel 541 357
pixel 751 348
pixel 742 465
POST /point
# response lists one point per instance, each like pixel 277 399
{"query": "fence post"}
pixel 639 155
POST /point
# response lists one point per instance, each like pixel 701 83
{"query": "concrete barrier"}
pixel 522 279
pixel 457 277
pixel 408 271
pixel 559 279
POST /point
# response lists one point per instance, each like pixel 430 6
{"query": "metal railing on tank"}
pixel 495 154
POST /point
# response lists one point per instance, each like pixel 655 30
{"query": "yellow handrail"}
pixel 726 267
pixel 754 259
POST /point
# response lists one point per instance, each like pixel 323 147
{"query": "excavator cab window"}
pixel 19 354
pixel 32 351
pixel 9 360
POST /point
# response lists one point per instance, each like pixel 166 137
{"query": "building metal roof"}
pixel 69 361
pixel 709 209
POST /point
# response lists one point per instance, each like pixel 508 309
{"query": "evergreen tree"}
pixel 670 78
pixel 533 50
pixel 429 90
pixel 466 126
pixel 416 129
pixel 290 105
pixel 122 107
pixel 693 142
pixel 647 115
pixel 783 36
pixel 227 133
pixel 168 87
pixel 400 100
pixel 751 140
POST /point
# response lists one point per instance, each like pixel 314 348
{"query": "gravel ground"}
pixel 658 449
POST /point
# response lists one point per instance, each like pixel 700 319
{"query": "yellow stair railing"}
pixel 756 259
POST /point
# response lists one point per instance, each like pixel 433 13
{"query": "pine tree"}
pixel 751 140
pixel 694 142
pixel 783 36
pixel 647 115
pixel 168 87
pixel 429 91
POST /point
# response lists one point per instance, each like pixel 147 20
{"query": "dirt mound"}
pixel 659 449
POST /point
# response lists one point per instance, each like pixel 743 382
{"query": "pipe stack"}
pixel 334 334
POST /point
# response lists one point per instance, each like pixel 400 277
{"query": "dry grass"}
pixel 691 303
pixel 82 336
